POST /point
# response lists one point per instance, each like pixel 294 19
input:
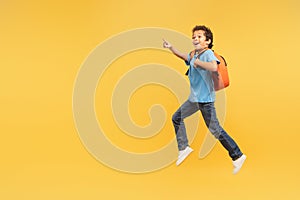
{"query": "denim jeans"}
pixel 209 114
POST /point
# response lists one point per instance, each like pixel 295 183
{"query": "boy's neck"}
pixel 198 51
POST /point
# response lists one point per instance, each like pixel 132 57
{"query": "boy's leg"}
pixel 209 114
pixel 186 109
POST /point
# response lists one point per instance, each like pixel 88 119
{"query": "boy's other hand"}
pixel 166 44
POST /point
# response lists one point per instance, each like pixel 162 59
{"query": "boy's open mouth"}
pixel 196 43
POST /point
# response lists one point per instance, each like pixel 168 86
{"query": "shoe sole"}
pixel 183 157
pixel 236 170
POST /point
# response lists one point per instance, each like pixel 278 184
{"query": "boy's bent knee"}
pixel 176 118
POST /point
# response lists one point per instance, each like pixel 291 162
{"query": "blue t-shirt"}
pixel 201 83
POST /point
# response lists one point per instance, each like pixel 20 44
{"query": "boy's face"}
pixel 199 40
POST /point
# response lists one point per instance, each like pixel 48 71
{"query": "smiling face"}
pixel 199 40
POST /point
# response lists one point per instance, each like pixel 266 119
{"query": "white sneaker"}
pixel 183 154
pixel 237 164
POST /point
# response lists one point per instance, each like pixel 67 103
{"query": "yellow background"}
pixel 42 46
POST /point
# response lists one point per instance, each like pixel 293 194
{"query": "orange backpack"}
pixel 220 77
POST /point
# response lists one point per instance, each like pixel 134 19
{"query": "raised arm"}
pixel 179 54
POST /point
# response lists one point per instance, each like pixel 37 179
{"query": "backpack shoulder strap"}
pixel 198 56
pixel 191 54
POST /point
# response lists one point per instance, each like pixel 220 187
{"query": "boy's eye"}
pixel 198 36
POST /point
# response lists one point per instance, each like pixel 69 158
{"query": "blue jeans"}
pixel 209 115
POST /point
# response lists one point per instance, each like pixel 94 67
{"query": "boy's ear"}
pixel 208 42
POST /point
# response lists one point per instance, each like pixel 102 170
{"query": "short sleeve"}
pixel 210 56
pixel 187 62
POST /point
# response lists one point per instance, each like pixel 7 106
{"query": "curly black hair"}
pixel 207 32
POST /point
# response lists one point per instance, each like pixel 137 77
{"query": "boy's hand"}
pixel 166 44
pixel 183 56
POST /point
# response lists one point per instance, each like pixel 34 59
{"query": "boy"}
pixel 202 97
